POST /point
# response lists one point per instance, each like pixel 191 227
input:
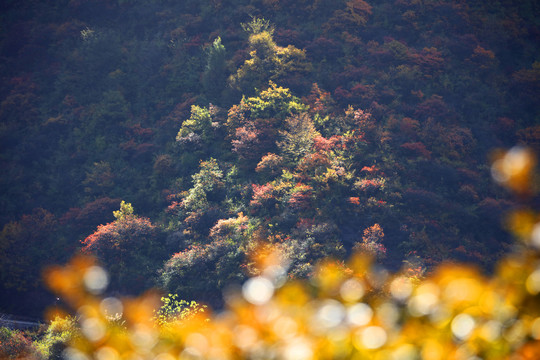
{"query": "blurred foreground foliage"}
pixel 346 310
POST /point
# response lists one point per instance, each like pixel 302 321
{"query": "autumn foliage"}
pixel 301 127
pixel 128 247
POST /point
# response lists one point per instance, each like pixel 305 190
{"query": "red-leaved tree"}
pixel 130 248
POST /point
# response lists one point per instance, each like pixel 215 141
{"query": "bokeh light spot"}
pixel 533 282
pixel 513 168
pixel 535 235
pixel 111 306
pixel 359 314
pixel 401 288
pixel 352 290
pixel 285 327
pixel 143 337
pixel 74 354
pixel 422 304
pixel 462 326
pixel 330 314
pixel 96 279
pixel 491 330
pixel 258 290
pixel 373 337
pixel 244 336
pixel 93 328
pixel 513 163
pixel 107 353
pixel 299 349
pixel 497 171
pixel 277 273
pixel 267 313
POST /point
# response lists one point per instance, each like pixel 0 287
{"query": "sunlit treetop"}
pixel 126 210
pixel 257 26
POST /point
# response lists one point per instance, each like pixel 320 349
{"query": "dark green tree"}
pixel 214 78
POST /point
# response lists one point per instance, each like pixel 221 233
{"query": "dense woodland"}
pixel 172 138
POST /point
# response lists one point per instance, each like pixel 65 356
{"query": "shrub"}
pixel 15 345
pixel 270 164
pixel 201 272
pixel 174 311
pixel 59 333
pixel 371 242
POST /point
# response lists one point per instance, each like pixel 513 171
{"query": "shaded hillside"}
pixel 227 123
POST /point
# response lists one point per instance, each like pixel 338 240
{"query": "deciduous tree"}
pixel 131 248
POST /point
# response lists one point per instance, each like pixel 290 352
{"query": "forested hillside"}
pixel 171 139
